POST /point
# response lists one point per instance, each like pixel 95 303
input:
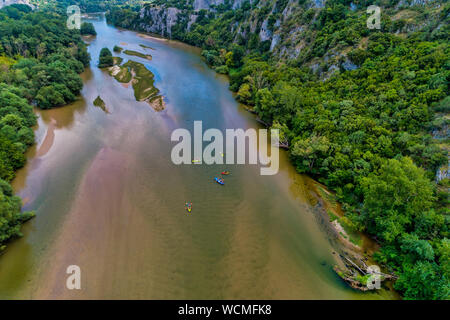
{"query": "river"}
pixel 108 198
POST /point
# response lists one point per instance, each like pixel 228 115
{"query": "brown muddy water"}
pixel 108 199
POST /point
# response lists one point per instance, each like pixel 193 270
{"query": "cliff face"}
pixel 210 4
pixel 287 28
pixel 4 3
pixel 161 19
pixel 158 19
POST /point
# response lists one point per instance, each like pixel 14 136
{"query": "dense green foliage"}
pixel 123 16
pixel 89 6
pixel 87 28
pixel 364 131
pixel 105 59
pixel 39 61
pixel 49 56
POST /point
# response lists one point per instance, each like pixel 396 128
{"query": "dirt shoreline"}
pixel 351 259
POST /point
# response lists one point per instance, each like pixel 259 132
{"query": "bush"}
pixel 87 28
pixel 106 59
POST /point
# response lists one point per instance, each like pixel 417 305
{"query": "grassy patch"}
pixel 117 60
pixel 350 230
pixel 146 47
pixel 363 279
pixel 142 81
pixel 120 73
pixel 328 196
pixel 98 102
pixel 138 54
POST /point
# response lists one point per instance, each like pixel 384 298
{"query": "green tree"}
pixel 422 280
pixel 306 152
pixel 106 59
pixel 394 197
pixel 87 28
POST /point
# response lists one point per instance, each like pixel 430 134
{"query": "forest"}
pixel 363 111
pixel 40 62
pixel 367 132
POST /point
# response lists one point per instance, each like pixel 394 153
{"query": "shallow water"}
pixel 109 199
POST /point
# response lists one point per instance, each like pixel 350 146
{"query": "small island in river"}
pixel 98 102
pixel 138 54
pixel 142 81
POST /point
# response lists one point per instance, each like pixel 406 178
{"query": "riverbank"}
pixel 18 95
pixel 355 254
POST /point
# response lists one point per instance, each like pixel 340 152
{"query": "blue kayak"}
pixel 219 181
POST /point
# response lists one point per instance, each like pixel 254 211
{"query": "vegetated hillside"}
pixel 365 111
pixel 39 64
pixel 86 6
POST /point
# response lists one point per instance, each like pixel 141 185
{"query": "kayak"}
pixel 195 161
pixel 219 181
pixel 225 172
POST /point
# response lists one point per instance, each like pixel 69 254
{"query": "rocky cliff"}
pixel 4 3
pixel 287 26
pixel 158 19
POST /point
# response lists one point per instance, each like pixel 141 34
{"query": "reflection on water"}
pixel 109 200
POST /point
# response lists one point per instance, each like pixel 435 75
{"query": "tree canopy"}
pixel 40 60
pixel 87 28
pixel 105 59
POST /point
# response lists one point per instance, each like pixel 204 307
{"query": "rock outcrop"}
pixel 287 26
pixel 4 3
pixel 158 19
